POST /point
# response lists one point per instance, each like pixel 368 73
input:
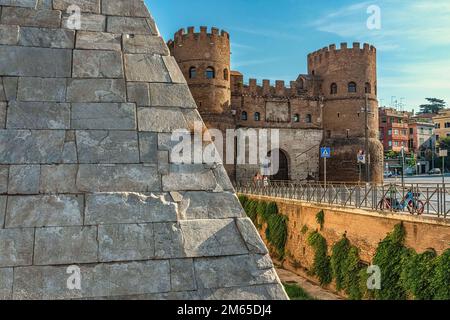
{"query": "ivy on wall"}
pixel 321 266
pixel 405 274
pixel 415 274
pixel 440 281
pixel 262 212
pixel 389 256
pixel 320 218
pixel 338 259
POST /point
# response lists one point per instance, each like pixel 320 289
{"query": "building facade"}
pixel 394 129
pixel 324 107
pixel 442 124
pixel 422 142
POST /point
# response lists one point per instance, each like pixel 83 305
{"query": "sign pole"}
pixel 443 172
pixel 360 167
pixel 325 153
pixel 443 154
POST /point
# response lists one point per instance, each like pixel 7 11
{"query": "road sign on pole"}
pixel 325 153
pixel 443 154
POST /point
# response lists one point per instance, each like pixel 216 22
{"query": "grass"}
pixel 296 293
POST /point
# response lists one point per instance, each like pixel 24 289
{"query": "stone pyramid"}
pixel 91 206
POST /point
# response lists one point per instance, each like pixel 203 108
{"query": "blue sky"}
pixel 271 39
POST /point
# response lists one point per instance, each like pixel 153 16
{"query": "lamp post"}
pixel 403 166
pixel 443 154
pixel 367 112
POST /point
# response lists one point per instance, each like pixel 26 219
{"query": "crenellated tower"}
pixel 349 81
pixel 204 58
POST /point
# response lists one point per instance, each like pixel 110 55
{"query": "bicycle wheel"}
pixel 416 207
pixel 385 204
pixel 420 207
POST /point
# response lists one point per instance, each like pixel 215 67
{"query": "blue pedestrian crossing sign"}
pixel 325 153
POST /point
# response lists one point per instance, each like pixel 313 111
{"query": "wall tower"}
pixel 349 77
pixel 204 58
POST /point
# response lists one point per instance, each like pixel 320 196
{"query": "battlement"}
pixel 191 33
pixel 333 51
pixel 266 88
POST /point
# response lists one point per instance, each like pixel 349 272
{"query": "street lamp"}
pixel 443 154
pixel 403 166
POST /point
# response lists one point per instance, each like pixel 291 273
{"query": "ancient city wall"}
pixel 302 149
pixel 364 229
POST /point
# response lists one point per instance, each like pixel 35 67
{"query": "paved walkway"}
pixel 313 290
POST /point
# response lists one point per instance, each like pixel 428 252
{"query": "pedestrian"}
pixel 266 181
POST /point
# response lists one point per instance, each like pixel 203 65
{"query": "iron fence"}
pixel 416 199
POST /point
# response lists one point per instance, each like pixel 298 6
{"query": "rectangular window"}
pixel 411 131
pixel 438 126
pixel 396 132
pixel 390 143
pixel 390 132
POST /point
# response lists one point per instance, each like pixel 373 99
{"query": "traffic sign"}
pixel 443 153
pixel 362 158
pixel 325 153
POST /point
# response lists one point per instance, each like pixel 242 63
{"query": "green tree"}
pixel 434 105
pixel 412 162
pixel 392 155
pixel 444 143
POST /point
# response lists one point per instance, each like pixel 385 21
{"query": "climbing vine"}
pixel 346 267
pixel 262 212
pixel 320 218
pixel 415 274
pixel 338 259
pixel 352 277
pixel 321 266
pixel 390 256
pixel 441 278
pixel 405 274
pixel 304 229
pixel 276 233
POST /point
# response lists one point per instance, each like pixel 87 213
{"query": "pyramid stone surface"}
pixel 86 180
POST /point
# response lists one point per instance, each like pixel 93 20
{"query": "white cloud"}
pixel 252 62
pixel 411 20
pixel 412 44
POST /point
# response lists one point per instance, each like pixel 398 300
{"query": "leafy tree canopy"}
pixel 444 143
pixel 434 105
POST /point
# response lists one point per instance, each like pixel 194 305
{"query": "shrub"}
pixel 416 272
pixel 389 257
pixel 338 259
pixel 440 280
pixel 321 266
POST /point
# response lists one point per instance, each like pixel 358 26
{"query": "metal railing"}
pixel 417 199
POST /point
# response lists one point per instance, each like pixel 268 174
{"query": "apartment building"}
pixel 394 129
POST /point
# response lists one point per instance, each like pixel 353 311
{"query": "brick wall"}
pixel 364 230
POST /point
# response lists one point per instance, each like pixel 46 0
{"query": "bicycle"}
pixel 410 202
